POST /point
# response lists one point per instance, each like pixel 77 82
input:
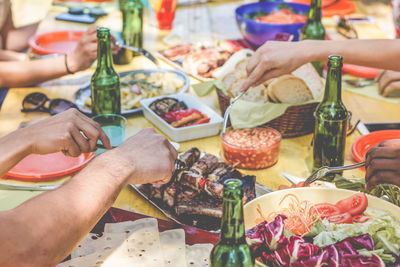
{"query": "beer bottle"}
pixel 232 249
pixel 314 30
pixel 106 95
pixel 132 29
pixel 331 120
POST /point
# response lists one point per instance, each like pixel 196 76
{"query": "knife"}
pixel 141 51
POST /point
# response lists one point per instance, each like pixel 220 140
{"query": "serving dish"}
pixel 254 148
pixel 60 42
pixel 84 93
pixel 194 195
pixel 189 132
pixel 257 33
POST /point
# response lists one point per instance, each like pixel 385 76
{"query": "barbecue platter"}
pixel 194 195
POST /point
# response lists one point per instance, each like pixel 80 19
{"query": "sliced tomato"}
pixel 282 187
pixel 355 204
pixel 341 218
pixel 325 210
pixel 361 218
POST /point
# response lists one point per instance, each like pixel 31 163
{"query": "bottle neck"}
pixel 232 224
pixel 104 59
pixel 333 87
pixel 314 13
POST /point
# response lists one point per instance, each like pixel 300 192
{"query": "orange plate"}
pixel 45 167
pixel 62 42
pixel 340 8
pixel 364 143
pixel 360 71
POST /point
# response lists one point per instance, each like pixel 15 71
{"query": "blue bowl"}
pixel 257 33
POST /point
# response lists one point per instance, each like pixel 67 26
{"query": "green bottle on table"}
pixel 106 95
pixel 331 118
pixel 314 30
pixel 132 29
pixel 232 249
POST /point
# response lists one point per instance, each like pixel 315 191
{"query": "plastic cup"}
pixel 165 13
pixel 114 127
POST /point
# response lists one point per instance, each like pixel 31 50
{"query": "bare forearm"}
pixel 19 74
pixel 382 54
pixel 13 148
pixel 66 215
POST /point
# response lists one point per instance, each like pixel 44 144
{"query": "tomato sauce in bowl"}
pixel 251 148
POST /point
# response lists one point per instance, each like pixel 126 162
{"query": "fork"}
pixel 228 110
pixel 325 170
pixel 139 50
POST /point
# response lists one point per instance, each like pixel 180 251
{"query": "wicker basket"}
pixel 296 121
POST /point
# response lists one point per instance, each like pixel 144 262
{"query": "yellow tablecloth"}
pixel 295 153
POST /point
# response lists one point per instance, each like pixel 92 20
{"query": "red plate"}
pixel 62 42
pixel 360 71
pixel 364 143
pixel 44 167
pixel 193 235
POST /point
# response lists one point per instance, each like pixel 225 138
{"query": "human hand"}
pixel 382 164
pixel 274 59
pixel 151 156
pixel 388 81
pixel 85 52
pixel 63 132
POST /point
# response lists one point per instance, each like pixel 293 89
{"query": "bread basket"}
pixel 296 121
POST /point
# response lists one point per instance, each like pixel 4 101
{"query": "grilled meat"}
pixel 156 191
pixel 166 104
pixel 215 190
pixel 192 180
pixel 205 165
pixel 199 206
pixel 189 157
pixel 170 193
pixel 219 171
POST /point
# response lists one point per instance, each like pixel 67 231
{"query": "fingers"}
pixel 390 88
pixel 379 165
pixel 70 147
pixel 379 75
pixel 81 141
pixel 383 177
pixel 386 78
pixel 254 76
pixel 381 152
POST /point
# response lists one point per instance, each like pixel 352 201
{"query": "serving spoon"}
pixel 228 110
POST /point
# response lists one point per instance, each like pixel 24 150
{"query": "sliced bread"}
pixel 310 76
pixel 289 89
pixel 229 79
pixel 256 94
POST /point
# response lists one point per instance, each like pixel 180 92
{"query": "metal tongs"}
pixel 325 170
pixel 141 51
pixel 228 110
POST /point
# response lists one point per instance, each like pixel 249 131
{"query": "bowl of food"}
pixel 263 21
pixel 322 227
pixel 251 148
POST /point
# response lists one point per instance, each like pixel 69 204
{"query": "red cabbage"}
pixel 296 249
pixel 362 241
pixel 321 260
pixel 360 261
pixel 274 234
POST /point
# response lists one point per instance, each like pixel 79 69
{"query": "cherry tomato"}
pixel 341 218
pixel 361 218
pixel 355 204
pixel 325 210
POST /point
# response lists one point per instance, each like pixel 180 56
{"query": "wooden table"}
pixel 295 153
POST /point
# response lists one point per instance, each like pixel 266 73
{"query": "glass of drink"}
pixel 114 127
pixel 165 13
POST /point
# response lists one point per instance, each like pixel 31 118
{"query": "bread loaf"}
pixel 289 89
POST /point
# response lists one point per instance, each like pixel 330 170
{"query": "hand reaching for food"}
pixel 382 164
pixel 150 156
pixel 274 59
pixel 389 81
pixel 70 132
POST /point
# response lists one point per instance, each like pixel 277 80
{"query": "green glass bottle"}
pixel 106 95
pixel 314 30
pixel 132 29
pixel 331 120
pixel 232 249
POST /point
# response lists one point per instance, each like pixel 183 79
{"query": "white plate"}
pixel 184 133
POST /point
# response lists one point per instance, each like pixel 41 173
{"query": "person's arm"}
pixel 45 229
pixel 24 73
pixel 277 58
pixel 8 55
pixel 382 164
